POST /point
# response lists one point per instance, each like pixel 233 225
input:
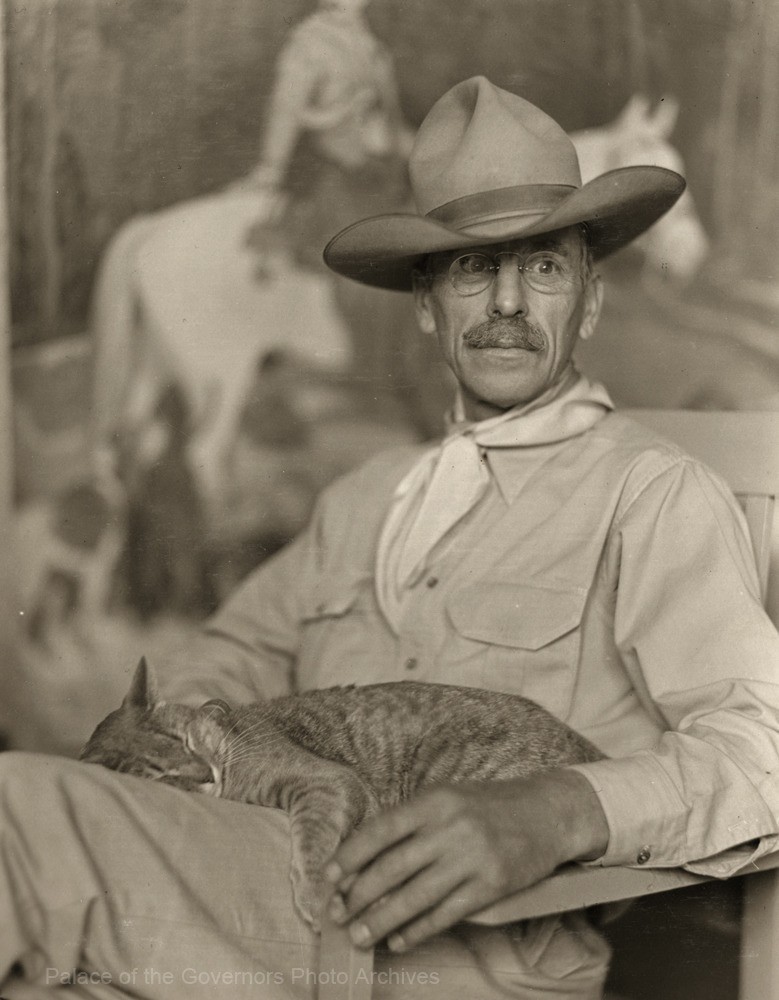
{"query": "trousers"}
pixel 114 886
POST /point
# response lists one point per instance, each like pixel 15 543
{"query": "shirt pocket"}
pixel 522 638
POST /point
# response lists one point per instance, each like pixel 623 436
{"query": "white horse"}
pixel 177 301
pixel 676 245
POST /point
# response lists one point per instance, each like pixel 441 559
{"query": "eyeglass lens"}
pixel 544 271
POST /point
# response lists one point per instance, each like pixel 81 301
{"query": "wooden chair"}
pixel 744 449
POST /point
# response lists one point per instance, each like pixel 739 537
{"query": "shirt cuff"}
pixel 646 817
pixel 648 821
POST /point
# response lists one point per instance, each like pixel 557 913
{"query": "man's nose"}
pixel 508 293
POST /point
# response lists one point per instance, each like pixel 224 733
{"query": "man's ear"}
pixel 593 301
pixel 422 303
pixel 143 687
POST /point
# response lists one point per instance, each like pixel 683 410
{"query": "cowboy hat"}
pixel 488 166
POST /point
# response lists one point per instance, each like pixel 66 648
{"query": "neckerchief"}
pixel 450 479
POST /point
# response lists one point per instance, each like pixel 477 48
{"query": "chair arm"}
pixel 346 972
pixel 575 887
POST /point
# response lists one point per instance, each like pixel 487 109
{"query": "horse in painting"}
pixel 676 245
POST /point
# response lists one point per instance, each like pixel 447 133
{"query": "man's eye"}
pixel 473 264
pixel 545 264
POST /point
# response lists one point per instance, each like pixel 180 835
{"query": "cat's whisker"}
pixel 240 749
pixel 257 738
pixel 258 741
pixel 239 735
pixel 254 727
pixel 247 740
pixel 228 733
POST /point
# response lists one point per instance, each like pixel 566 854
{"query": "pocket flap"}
pixel 327 601
pixel 517 614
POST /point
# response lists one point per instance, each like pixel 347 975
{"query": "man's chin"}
pixel 492 402
pixel 501 379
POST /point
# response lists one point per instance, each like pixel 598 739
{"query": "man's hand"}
pixel 416 870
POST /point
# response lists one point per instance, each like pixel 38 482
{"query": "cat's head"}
pixel 176 744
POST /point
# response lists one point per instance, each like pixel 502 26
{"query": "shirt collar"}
pixel 518 442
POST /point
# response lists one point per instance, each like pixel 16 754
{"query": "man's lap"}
pixel 119 873
pixel 172 894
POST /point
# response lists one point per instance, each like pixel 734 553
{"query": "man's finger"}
pixel 375 837
pixel 386 873
pixel 459 904
pixel 421 894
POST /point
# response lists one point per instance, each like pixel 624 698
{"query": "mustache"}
pixel 506 332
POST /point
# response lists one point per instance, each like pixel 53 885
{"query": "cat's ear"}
pixel 143 688
pixel 215 707
pixel 206 731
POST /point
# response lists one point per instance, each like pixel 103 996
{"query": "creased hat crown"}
pixel 478 137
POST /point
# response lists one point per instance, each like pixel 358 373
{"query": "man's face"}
pixel 510 342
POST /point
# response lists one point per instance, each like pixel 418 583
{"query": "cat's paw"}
pixel 308 894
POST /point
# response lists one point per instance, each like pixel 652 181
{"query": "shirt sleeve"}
pixel 704 658
pixel 247 650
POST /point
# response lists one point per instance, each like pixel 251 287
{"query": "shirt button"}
pixel 643 856
pixel 411 663
pixel 432 581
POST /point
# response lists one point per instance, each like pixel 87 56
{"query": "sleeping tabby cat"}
pixel 332 757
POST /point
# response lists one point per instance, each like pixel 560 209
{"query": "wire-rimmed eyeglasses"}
pixel 545 271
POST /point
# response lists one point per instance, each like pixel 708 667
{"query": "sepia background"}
pixel 184 374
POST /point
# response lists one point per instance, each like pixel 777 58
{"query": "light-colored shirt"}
pixel 608 577
pixel 451 479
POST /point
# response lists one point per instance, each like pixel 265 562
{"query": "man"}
pixel 549 547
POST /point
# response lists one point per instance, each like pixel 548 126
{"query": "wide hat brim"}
pixel 615 207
